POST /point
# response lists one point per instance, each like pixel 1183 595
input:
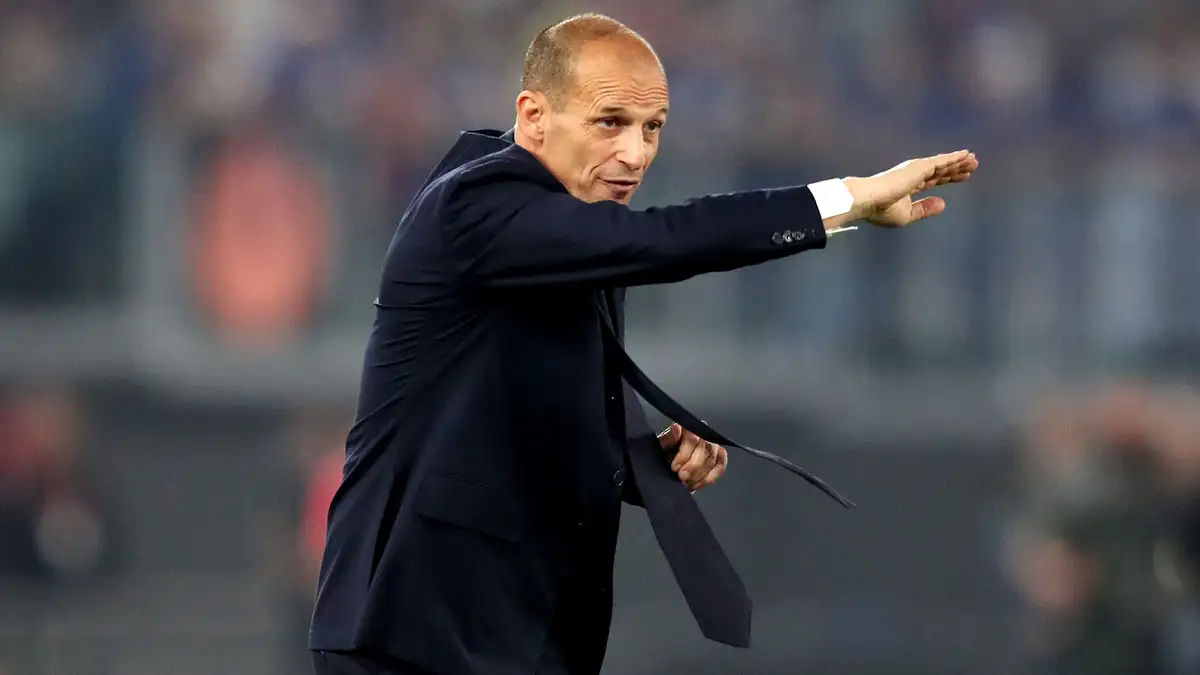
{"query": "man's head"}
pixel 593 102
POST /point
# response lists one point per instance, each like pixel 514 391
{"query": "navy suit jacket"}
pixel 485 470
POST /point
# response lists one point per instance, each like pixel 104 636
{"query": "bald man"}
pixel 498 428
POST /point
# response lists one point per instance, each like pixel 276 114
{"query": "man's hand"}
pixel 697 462
pixel 885 199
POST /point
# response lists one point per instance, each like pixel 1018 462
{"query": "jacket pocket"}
pixel 454 501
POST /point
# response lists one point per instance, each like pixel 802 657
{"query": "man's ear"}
pixel 531 115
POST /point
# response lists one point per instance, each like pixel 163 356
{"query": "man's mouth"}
pixel 622 183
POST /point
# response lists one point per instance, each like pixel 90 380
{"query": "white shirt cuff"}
pixel 833 199
pixel 832 196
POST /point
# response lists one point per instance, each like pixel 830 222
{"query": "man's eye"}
pixel 609 122
pixel 654 126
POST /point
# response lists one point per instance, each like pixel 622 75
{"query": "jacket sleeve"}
pixel 513 233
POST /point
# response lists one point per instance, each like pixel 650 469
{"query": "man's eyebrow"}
pixel 617 110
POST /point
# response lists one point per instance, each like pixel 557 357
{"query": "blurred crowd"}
pixel 282 139
pixel 286 137
pixel 58 528
pixel 55 526
pixel 1106 545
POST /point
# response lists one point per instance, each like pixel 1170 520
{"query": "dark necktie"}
pixel 710 585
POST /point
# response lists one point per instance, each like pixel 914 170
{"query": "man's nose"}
pixel 631 150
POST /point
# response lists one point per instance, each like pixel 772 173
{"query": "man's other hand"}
pixel 885 199
pixel 697 462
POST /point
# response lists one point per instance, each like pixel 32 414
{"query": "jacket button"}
pixel 619 477
pixel 777 238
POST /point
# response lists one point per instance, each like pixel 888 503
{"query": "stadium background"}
pixel 195 199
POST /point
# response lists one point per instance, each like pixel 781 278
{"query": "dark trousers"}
pixel 338 663
pixel 561 640
pixel 361 663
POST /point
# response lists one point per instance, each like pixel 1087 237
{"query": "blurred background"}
pixel 195 199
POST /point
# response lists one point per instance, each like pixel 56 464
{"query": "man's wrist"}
pixel 859 189
pixel 838 202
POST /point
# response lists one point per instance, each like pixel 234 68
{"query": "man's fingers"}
pixel 718 469
pixel 670 436
pixel 933 163
pixel 945 169
pixel 947 163
pixel 889 195
pixel 687 447
pixel 944 179
pixel 964 169
pixel 961 168
pixel 951 158
pixel 700 463
pixel 955 178
pixel 929 206
pixel 697 462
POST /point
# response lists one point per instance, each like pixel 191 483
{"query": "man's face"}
pixel 605 137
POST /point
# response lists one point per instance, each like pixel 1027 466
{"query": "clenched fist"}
pixel 697 462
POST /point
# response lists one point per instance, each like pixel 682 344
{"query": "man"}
pixel 497 432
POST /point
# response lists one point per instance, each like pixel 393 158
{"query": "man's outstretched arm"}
pixel 505 231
